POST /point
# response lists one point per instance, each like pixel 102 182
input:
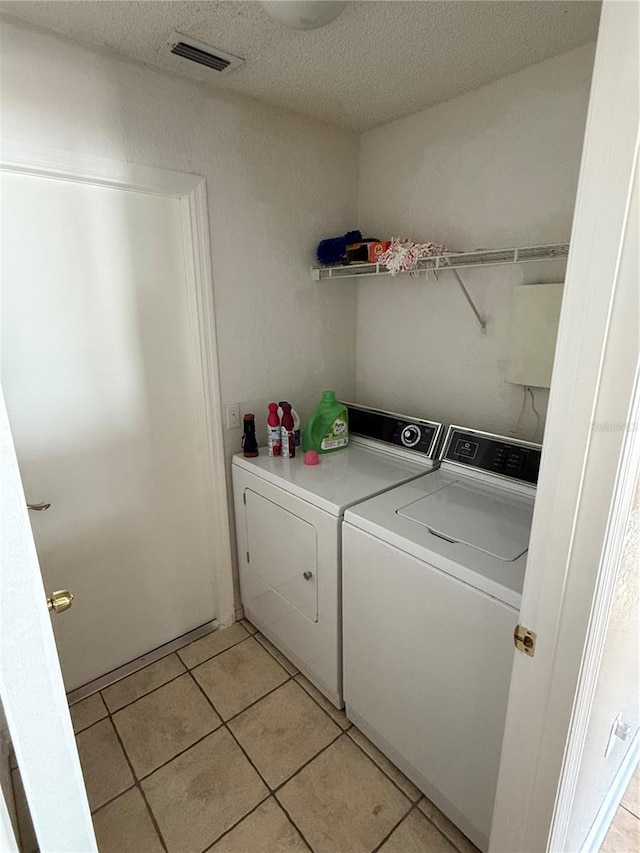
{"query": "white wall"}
pixel 276 183
pixel 493 168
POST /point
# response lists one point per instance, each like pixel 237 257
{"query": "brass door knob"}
pixel 60 600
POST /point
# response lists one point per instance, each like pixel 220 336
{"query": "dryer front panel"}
pixel 289 567
pixel 282 550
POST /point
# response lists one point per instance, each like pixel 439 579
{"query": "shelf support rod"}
pixel 467 296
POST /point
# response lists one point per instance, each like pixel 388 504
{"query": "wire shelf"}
pixel 451 260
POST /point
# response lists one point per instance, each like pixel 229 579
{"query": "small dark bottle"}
pixel 249 441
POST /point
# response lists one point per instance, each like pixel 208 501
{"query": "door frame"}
pixel 590 460
pixel 191 192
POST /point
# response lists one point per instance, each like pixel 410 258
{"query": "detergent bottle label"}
pixel 338 435
pixel 274 442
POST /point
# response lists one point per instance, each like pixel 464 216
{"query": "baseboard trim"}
pixel 613 798
pixel 139 663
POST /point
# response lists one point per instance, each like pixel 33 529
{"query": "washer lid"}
pixel 462 512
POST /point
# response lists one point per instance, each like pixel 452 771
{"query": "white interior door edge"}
pixel 582 489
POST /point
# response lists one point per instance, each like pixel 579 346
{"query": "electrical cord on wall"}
pixel 535 411
pixel 524 403
pixel 526 389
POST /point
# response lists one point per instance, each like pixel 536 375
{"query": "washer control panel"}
pixel 495 454
pixel 400 430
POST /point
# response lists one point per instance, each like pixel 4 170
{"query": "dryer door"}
pixel 282 551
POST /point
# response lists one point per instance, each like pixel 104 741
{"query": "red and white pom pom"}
pixel 403 255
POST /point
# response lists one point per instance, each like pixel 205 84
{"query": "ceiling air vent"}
pixel 197 51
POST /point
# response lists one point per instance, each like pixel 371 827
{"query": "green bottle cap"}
pixel 329 397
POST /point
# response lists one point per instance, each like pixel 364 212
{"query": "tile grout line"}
pixel 224 724
pixel 415 808
pixel 338 710
pixel 442 832
pixel 113 799
pixel 279 787
pixel 76 732
pixel 259 634
pixel 250 760
pixel 342 731
pixel 290 676
pixel 136 671
pixel 243 751
pixel 153 690
pixel 178 754
pixel 276 791
pixel 137 784
pixel 383 771
pixel 23 846
pixel 393 829
pixel 160 686
pixel 633 814
pixel 413 805
pixel 189 671
pixel 451 841
pixel 152 663
pixel 292 822
pixel 235 739
pixel 215 654
pixel 231 828
pixel 221 724
pixel 273 791
pixel 235 716
pixel 160 766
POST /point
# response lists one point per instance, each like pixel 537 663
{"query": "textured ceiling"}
pixel 380 60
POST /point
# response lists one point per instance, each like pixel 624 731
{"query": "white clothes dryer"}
pixel 289 532
pixel 432 581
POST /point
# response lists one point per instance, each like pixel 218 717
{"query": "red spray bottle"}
pixel 274 441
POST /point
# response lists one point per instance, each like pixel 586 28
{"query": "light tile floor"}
pixel 624 832
pixel 225 747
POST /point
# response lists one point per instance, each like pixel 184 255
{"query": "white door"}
pixel 99 368
pixel 31 690
pixel 591 448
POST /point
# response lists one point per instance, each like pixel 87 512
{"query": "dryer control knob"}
pixel 411 435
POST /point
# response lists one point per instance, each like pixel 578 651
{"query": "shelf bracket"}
pixel 467 296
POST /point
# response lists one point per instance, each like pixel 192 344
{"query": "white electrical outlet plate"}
pixel 233 416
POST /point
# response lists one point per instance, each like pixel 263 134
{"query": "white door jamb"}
pixel 587 464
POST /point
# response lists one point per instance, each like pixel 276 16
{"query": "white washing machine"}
pixel 289 524
pixel 432 581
